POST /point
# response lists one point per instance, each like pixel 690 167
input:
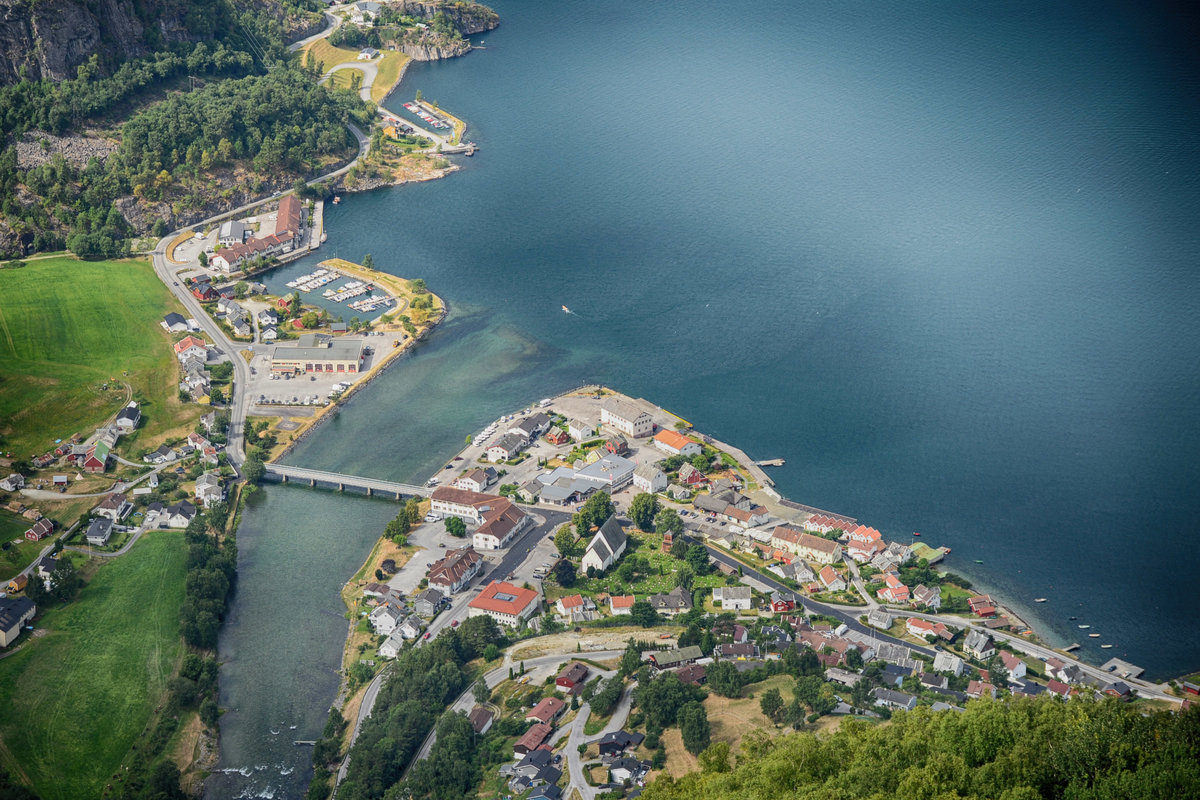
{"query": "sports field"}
pixel 74 701
pixel 67 328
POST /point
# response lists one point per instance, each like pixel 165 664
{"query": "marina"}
pixel 340 294
pixel 425 115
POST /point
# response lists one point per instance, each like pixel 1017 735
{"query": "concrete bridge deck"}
pixel 336 480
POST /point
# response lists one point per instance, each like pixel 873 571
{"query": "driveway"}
pixel 369 69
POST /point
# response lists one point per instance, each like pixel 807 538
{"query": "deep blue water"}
pixel 941 257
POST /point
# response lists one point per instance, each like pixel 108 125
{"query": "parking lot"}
pixel 267 393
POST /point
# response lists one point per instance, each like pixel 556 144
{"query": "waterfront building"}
pixel 626 418
pixel 649 478
pixel 805 545
pixel 454 572
pixel 318 353
pixel 674 443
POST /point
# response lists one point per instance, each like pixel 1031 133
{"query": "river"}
pixel 939 257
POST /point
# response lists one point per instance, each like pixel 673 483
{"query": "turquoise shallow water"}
pixel 941 258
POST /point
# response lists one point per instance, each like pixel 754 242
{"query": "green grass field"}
pixel 73 702
pixel 66 328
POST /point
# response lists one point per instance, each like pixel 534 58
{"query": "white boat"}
pixel 1084 627
pixel 1106 647
pixel 1039 600
pixel 1093 636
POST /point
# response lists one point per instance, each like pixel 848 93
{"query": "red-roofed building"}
pixel 922 628
pixel 1059 688
pixel 675 443
pixel 547 710
pixel 982 605
pixel 978 689
pixel 894 590
pixel 832 580
pixel 505 603
pixel 621 604
pixel 862 552
pixel 865 535
pixel 573 677
pixel 1015 666
pixel 533 739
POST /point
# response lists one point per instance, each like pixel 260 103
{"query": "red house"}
pixel 204 291
pixel 96 459
pixel 40 530
pixel 573 677
pixel 982 605
pixel 558 436
pixel 780 604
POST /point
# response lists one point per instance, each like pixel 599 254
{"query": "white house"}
pixel 191 347
pixel 208 489
pixel 649 478
pixel 115 507
pixel 948 662
pixel 1015 666
pixel 179 514
pixel 580 429
pixel 474 480
pixel 98 532
pixel 605 548
pixel 385 618
pixel 454 572
pixel 501 522
pixel 733 598
pixel 979 645
pixel 392 646
pixel 13 482
pixel 232 232
pixel 674 443
pixel 505 603
pixel 626 418
pixel 504 448
pixel 127 418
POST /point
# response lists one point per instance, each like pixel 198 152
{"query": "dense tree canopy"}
pixel 1015 750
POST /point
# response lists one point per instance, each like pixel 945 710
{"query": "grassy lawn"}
pixel 326 53
pixel 342 79
pixel 391 67
pixel 73 702
pixel 67 327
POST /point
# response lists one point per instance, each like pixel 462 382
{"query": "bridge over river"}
pixel 336 480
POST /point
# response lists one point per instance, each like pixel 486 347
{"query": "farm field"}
pixel 67 328
pixel 73 702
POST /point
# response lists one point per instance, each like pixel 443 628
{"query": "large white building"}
pixel 626 418
pixel 649 478
pixel 505 603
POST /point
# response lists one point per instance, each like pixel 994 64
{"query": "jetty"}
pixel 771 462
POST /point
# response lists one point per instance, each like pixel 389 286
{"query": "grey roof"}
pixel 609 539
pixel 893 697
pixel 610 468
pixel 99 529
pixel 706 502
pixel 978 641
pixel 173 319
pixel 624 410
pixel 320 346
pixel 649 472
pixel 509 441
pixel 182 507
pixel 675 599
pixel 12 609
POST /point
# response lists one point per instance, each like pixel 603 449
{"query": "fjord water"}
pixel 941 257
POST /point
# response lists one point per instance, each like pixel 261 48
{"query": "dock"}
pixel 1122 668
pixel 1071 648
pixel 771 462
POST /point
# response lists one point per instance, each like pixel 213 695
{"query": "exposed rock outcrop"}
pixel 469 18
pixel 426 46
pixel 36 148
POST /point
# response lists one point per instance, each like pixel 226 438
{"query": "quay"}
pixel 771 462
pixel 336 480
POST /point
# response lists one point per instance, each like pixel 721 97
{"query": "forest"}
pixel 1017 749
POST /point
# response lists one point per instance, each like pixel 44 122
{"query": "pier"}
pixel 334 480
pixel 771 462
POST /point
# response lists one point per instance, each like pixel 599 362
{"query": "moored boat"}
pixel 1039 599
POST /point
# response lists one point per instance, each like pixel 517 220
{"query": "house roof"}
pixel 608 540
pixel 606 470
pixel 188 341
pixel 534 736
pixel 575 672
pixel 508 442
pixel 623 410
pixel 479 717
pixel 502 597
pixel 113 502
pixel 675 599
pixel 829 575
pixel 649 472
pixel 500 518
pixel 573 601
pixel 803 539
pixel 673 439
pixel 12 609
pixel 451 569
pixel 621 601
pixel 546 710
pixel 182 507
pixel 668 658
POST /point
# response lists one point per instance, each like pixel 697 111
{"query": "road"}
pixel 332 21
pixel 369 69
pixel 124 548
pixel 812 606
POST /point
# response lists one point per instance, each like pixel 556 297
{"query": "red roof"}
pixel 621 601
pixel 546 710
pixel 502 597
pixel 188 341
pixel 673 439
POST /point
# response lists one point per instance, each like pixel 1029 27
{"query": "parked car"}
pixel 454 624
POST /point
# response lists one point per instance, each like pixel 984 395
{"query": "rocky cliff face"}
pixel 430 47
pixel 468 17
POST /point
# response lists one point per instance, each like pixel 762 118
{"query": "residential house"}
pixel 821 523
pixel 1058 688
pixel 923 628
pixel 573 677
pixel 162 455
pixel 880 618
pixel 733 598
pixel 888 698
pixel 507 604
pixel 1015 666
pixel 979 645
pixel 710 504
pixel 427 602
pixel 781 603
pixel 410 628
pixel 796 570
pixel 392 646
pixel 174 323
pixel 191 347
pixel 863 552
pixel 626 418
pixel 843 677
pixel 13 482
pixel 669 659
pixel 948 662
pixel 690 476
pixel 534 738
pixel 268 333
pixel 531 427
pixel 574 607
pixel 928 596
pixel 932 680
pixel 621 604
pixel 364 11
pixel 209 421
pixel 179 514
pixel 673 603
pixel 739 651
pixel 44 568
pixel 473 480
pixel 581 429
pixel 557 436
pixel 864 535
pixel 385 619
pixel 615 743
pixel 99 532
pixel 649 478
pixel 208 489
pixel 982 605
pixel 501 522
pixel 895 674
pixel 677 492
pixel 534 762
pixel 547 710
pixel 14 613
pixel 978 689
pixel 128 418
pixel 627 769
pixel 506 447
pixel 454 572
pixel 831 579
pixel 805 545
pixel 894 590
pixel 605 548
pixel 693 674
pixel 40 530
pixel 115 507
pixel 481 720
pixel 674 443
